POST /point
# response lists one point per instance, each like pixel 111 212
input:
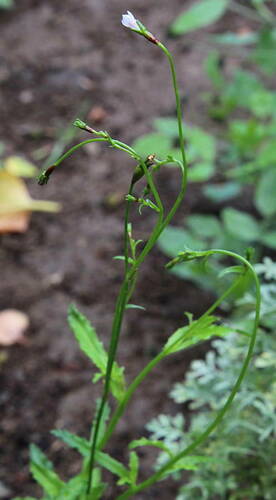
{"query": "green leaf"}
pixel 134 306
pixel 98 488
pixel 103 459
pixel 265 198
pixel 73 489
pixel 93 348
pixel 201 172
pixel 267 155
pixel 262 103
pixel 264 55
pixel 153 143
pixel 6 4
pixel 166 126
pixel 199 15
pixel 222 192
pixel 42 471
pixel 197 331
pixel 201 146
pixel 232 38
pixel 240 224
pixel 212 66
pixel 269 239
pixel 133 467
pixel 150 442
pixel 113 465
pixel 78 443
pixel 204 226
pixel 174 240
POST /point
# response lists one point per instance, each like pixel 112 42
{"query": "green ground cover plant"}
pixel 243 448
pixel 88 484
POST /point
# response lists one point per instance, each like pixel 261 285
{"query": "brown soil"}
pixel 58 58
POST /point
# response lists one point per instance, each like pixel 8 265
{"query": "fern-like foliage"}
pixel 243 449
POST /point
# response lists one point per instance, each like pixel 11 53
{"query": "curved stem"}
pixel 148 368
pixel 177 99
pixel 158 475
pixel 74 148
pixel 130 275
pixel 115 334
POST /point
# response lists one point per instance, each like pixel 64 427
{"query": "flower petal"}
pixel 129 21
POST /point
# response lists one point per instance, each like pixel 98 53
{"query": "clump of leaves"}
pixel 243 450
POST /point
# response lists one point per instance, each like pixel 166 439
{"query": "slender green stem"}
pixel 126 237
pixel 77 146
pixel 116 327
pixel 149 367
pixel 178 102
pixel 130 275
pixel 163 470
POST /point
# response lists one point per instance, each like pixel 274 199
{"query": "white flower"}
pixel 129 21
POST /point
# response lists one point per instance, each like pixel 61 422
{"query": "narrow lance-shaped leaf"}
pixel 76 442
pixel 114 466
pixel 103 459
pixel 93 348
pixel 197 331
pixel 42 471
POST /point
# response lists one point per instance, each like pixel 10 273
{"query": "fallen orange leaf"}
pixel 16 203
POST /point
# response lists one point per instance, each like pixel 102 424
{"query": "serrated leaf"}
pixel 199 15
pixel 76 442
pixel 241 224
pixel 197 331
pixel 90 344
pixel 42 471
pixel 73 489
pixel 113 465
pixel 265 199
pixel 83 447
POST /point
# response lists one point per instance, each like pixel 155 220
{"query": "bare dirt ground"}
pixel 56 59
